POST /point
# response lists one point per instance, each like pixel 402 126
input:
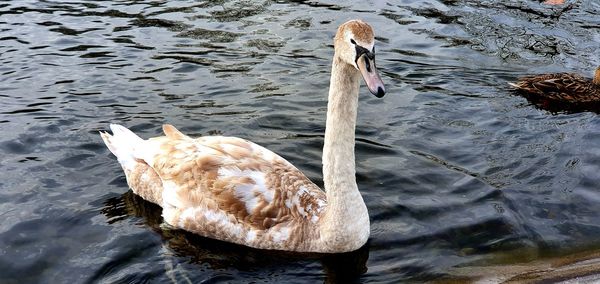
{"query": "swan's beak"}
pixel 369 72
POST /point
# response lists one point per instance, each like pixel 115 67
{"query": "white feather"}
pixel 123 143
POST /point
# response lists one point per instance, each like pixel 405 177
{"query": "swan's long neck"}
pixel 346 220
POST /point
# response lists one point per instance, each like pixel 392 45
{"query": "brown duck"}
pixel 561 88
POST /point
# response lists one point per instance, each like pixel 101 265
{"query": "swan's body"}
pixel 234 190
pixel 567 88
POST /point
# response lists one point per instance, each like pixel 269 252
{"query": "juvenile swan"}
pixel 233 190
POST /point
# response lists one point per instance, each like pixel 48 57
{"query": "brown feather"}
pixel 172 132
pixel 362 31
pixel 566 88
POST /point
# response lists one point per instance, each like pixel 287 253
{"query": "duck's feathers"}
pixel 559 87
pixel 223 187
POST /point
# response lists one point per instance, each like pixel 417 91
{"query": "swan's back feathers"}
pixel 226 188
pixel 232 189
pixel 172 132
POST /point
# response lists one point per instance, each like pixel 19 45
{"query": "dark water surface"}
pixel 455 170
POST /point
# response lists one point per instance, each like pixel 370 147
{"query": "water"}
pixel 456 171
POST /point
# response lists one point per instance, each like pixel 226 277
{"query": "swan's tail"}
pixel 124 144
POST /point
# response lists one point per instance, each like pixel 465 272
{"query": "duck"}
pixel 564 88
pixel 234 190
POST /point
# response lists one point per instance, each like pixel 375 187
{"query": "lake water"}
pixel 456 171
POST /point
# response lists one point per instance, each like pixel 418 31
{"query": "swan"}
pixel 231 189
pixel 565 88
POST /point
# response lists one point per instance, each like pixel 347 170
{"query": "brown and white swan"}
pixel 234 190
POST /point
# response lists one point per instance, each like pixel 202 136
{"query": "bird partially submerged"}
pixel 568 90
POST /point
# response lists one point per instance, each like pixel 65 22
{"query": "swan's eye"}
pixel 352 41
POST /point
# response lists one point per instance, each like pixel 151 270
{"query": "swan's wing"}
pixel 242 182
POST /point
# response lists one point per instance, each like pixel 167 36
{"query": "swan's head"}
pixel 355 44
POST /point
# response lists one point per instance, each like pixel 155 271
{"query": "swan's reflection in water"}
pixel 219 255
